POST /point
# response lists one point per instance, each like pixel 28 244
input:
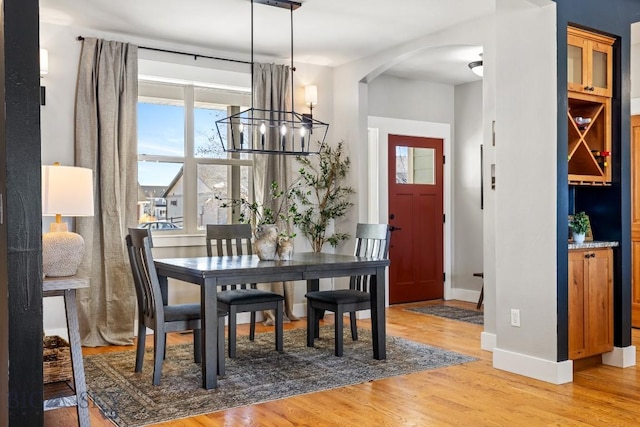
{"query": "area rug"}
pixel 257 374
pixel 455 313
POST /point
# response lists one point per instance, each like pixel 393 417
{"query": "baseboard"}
pixel 465 295
pixel 620 357
pixel 487 341
pixel 533 367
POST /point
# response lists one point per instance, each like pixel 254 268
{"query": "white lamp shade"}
pixel 67 191
pixel 44 62
pixel 311 95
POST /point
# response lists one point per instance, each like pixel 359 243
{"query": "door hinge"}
pixel 444 217
pixel 444 160
pixel 444 277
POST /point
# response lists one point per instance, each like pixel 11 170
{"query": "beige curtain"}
pixel 272 91
pixel 105 141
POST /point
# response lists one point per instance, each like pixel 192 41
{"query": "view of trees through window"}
pixel 182 165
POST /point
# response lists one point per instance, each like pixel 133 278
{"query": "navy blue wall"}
pixel 608 207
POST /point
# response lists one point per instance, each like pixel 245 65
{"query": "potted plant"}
pixel 269 241
pixel 321 196
pixel 579 224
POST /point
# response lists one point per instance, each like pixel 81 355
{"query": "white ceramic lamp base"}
pixel 61 251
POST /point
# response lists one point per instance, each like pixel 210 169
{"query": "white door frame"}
pixel 378 187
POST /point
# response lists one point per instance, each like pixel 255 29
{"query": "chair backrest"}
pixel 145 277
pixel 229 240
pixel 372 240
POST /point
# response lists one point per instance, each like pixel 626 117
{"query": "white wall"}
pixel 635 73
pixel 467 213
pixel 526 179
pixel 411 100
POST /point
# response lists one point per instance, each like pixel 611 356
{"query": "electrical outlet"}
pixel 515 317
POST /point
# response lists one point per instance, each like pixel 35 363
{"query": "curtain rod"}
pixel 195 55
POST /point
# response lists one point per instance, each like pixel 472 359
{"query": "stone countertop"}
pixel 593 245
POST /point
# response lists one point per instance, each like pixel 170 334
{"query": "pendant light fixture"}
pixel 271 131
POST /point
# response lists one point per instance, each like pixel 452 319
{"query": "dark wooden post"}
pixel 21 216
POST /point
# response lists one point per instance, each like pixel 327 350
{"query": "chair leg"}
pixel 197 346
pixel 232 331
pixel 142 331
pixel 311 322
pixel 338 334
pixel 164 354
pixel 279 327
pixel 252 326
pixel 221 356
pixel 316 322
pixel 158 355
pixel 354 328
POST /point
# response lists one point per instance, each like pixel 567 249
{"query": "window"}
pixel 182 166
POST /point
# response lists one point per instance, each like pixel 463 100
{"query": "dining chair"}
pixel 231 240
pixel 153 314
pixel 372 240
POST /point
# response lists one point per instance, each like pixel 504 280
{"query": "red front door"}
pixel 416 217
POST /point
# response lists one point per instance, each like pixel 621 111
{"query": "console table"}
pixel 66 287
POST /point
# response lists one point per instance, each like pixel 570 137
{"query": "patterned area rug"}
pixel 455 313
pixel 257 374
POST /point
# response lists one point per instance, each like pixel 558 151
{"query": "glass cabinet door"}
pixel 589 62
pixel 576 74
pixel 601 65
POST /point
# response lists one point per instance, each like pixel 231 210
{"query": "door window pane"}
pixel 415 165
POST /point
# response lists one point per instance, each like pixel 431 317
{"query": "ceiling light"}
pixel 476 67
pixel 266 131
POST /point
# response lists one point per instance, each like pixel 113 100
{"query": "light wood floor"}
pixel 472 394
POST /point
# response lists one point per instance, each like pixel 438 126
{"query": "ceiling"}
pixel 326 32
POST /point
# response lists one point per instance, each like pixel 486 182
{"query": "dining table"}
pixel 211 272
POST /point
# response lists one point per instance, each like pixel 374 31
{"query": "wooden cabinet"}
pixel 590 62
pixel 590 302
pixel 589 122
pixel 590 71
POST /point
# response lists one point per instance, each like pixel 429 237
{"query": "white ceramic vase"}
pixel 266 242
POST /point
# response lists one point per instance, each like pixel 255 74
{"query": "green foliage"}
pixel 321 196
pixel 257 213
pixel 579 223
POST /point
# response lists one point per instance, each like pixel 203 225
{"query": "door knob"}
pixel 392 216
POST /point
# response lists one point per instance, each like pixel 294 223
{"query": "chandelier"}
pixel 271 131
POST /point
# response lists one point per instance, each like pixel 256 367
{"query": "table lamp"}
pixel 67 191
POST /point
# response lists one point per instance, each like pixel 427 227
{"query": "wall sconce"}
pixel 44 69
pixel 68 191
pixel 311 97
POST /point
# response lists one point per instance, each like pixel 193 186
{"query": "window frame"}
pixel 190 162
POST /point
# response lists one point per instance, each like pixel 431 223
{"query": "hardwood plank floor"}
pixel 472 394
